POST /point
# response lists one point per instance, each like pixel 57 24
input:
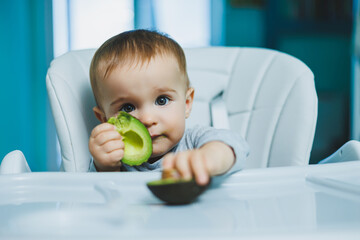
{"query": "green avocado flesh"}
pixel 166 181
pixel 136 137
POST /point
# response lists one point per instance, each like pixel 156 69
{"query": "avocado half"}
pixel 136 137
pixel 176 191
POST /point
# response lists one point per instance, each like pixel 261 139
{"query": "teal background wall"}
pixel 328 56
pixel 25 53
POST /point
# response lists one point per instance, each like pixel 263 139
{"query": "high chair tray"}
pixel 273 203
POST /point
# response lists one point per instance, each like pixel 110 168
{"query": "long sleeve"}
pixel 92 167
pixel 198 136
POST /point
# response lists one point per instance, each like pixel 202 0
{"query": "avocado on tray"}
pixel 176 191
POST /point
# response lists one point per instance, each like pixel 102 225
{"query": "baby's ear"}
pixel 99 114
pixel 189 101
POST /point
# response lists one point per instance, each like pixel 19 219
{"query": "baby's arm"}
pixel 106 147
pixel 213 158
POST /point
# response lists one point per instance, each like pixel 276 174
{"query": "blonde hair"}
pixel 132 46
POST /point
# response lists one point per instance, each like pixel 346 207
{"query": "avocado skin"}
pixel 130 127
pixel 176 192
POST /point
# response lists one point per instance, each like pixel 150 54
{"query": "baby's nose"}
pixel 148 119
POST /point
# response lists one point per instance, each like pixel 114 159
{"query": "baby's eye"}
pixel 162 100
pixel 127 108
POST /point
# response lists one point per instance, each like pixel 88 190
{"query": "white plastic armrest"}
pixel 14 162
pixel 350 151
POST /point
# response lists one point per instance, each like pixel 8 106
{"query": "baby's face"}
pixel 156 94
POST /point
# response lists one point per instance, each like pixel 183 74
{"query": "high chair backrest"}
pixel 267 96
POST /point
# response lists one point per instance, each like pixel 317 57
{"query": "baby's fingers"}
pixel 168 162
pixel 115 156
pixel 102 128
pixel 199 168
pixel 182 165
pixel 179 162
pixel 113 145
pixel 106 136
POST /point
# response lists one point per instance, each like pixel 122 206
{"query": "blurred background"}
pixel 324 34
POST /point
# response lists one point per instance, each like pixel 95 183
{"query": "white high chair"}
pixel 267 96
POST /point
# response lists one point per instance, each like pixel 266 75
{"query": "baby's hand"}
pixel 106 147
pixel 188 164
pixel 211 159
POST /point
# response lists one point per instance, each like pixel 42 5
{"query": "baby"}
pixel 144 73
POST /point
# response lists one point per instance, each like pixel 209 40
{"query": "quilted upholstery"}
pixel 269 98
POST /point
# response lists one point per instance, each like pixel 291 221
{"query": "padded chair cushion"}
pixel 270 99
pixel 71 101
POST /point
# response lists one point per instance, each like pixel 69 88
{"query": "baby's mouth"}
pixel 156 136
